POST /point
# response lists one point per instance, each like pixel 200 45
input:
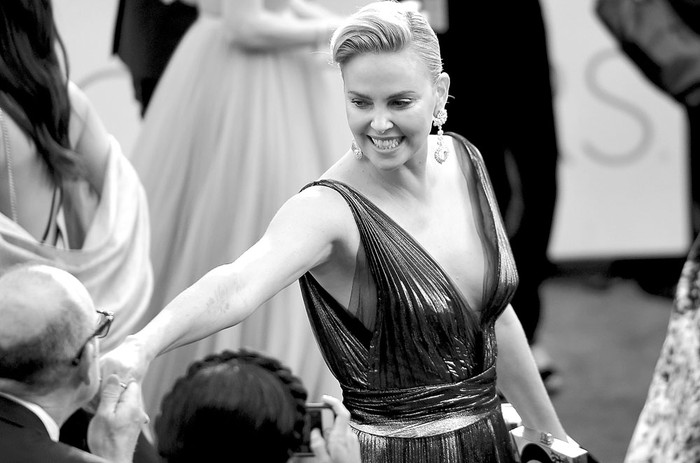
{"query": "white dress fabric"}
pixel 113 262
pixel 228 137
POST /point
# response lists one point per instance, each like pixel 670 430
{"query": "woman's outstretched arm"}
pixel 301 236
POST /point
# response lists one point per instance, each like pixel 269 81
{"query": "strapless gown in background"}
pixel 228 137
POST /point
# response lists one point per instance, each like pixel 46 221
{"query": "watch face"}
pixel 533 453
pixel 539 447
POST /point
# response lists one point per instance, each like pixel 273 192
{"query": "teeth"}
pixel 386 144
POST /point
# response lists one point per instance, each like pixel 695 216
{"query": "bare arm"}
pixel 310 9
pixel 88 137
pixel 249 24
pixel 519 379
pixel 301 236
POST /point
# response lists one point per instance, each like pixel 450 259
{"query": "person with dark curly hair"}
pixel 244 406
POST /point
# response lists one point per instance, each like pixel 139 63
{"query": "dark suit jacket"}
pixel 24 439
pixel 74 433
pixel 146 33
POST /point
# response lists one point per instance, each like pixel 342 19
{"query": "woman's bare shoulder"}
pixel 316 212
pixel 314 223
pixel 319 203
pixel 321 207
pixel 80 104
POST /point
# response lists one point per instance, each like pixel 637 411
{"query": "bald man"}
pixel 49 369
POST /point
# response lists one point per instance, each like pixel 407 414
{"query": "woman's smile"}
pixel 386 143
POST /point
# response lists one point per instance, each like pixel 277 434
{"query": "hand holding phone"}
pixel 338 444
pixel 328 433
pixel 318 416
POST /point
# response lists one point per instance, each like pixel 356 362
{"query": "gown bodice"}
pixel 424 331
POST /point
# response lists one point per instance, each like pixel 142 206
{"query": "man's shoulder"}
pixel 22 444
pixel 24 439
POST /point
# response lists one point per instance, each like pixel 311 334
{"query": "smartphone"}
pixel 318 415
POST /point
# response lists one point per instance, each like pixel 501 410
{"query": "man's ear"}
pixel 87 361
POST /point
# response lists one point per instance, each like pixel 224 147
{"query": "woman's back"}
pixel 26 186
pixel 32 196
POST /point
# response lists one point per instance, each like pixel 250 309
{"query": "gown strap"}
pixel 53 224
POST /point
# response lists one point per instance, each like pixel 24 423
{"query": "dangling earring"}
pixel 356 149
pixel 441 151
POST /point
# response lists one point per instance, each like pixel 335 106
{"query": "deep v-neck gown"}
pixel 416 362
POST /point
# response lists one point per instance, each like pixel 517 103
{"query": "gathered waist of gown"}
pixel 423 410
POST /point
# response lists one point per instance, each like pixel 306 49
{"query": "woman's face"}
pixel 390 100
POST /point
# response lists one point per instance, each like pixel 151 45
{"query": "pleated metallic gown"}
pixel 416 363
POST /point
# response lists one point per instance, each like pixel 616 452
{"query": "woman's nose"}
pixel 381 124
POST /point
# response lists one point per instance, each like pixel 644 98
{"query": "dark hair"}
pixel 232 406
pixel 34 84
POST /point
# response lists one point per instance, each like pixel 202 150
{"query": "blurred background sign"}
pixel 623 172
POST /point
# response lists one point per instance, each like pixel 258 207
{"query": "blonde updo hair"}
pixel 385 27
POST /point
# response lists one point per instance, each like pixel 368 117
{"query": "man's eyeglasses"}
pixel 103 326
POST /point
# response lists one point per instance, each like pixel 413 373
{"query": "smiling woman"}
pixel 390 103
pixel 404 266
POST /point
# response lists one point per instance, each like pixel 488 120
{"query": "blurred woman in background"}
pixel 247 111
pixel 68 196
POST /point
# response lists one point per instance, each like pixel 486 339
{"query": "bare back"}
pixel 25 175
pixel 25 178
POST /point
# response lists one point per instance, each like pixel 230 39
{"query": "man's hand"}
pixel 115 428
pixel 340 444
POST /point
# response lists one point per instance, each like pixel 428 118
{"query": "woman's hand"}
pixel 128 361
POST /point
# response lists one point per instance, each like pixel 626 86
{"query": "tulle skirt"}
pixel 228 137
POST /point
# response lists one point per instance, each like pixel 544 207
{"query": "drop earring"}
pixel 356 149
pixel 441 151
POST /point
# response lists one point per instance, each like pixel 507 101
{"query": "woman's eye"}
pixel 360 103
pixel 401 103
